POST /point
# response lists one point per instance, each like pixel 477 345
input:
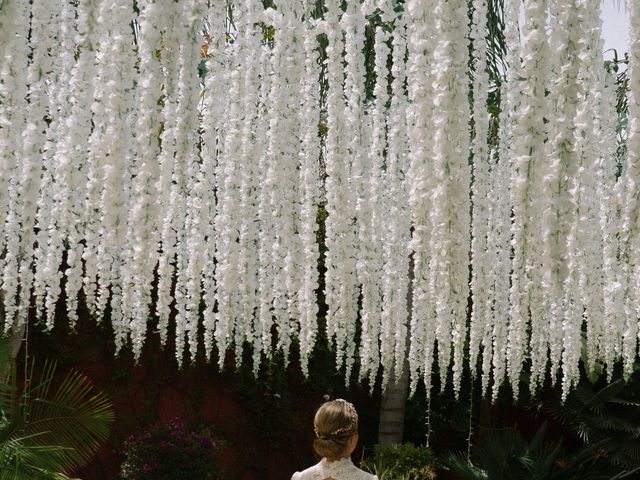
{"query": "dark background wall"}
pixel 264 423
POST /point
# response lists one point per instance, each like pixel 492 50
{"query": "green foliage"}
pixel 402 462
pixel 604 414
pixel 47 431
pixel 170 452
pixel 504 455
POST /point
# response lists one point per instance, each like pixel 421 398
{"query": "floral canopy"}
pixel 231 167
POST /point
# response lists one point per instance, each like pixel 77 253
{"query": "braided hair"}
pixel 334 423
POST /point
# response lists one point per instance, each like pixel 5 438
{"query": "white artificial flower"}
pixel 527 156
pixel 13 116
pixel 75 147
pixel 188 206
pixel 609 347
pixel 228 194
pixel 499 237
pixel 371 224
pixel 215 105
pixel 421 38
pixel 340 260
pixel 481 266
pixel 395 235
pixel 53 202
pixel 630 232
pixel 20 254
pixel 166 160
pixel 309 181
pixel 143 218
pixel 113 140
pixel 253 137
pixel 450 205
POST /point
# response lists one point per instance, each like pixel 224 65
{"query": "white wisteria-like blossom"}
pixel 373 204
pixel 581 165
pixel 397 221
pixel 609 221
pixel 480 331
pixel 340 259
pixel 117 73
pixel 166 160
pixel 74 146
pixel 283 163
pixel 143 218
pixel 54 199
pixel 499 236
pixel 527 156
pixel 246 328
pixel 309 181
pixel 189 202
pixel 228 192
pixel 209 166
pixel 15 34
pixel 22 217
pixel 450 204
pixel 559 284
pixel 420 45
pixel 214 109
pixel 630 231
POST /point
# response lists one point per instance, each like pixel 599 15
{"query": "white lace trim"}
pixel 342 469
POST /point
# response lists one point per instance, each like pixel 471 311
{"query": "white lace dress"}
pixel 343 469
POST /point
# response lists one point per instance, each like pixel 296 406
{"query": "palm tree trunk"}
pixel 394 398
pixel 392 408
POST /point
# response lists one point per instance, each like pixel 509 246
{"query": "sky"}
pixel 615 28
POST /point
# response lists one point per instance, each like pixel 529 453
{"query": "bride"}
pixel 336 428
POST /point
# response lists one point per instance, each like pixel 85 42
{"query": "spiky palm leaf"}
pixel 603 416
pixel 48 430
pixel 505 455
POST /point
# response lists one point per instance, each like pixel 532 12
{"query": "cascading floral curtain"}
pixel 174 162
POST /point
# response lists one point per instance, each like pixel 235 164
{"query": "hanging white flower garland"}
pixel 420 45
pixel 15 31
pixel 214 111
pixel 309 182
pixel 397 221
pixel 373 206
pixel 450 217
pixel 246 328
pixel 480 326
pixel 74 146
pixel 529 135
pixel 144 215
pixel 30 169
pixel 630 238
pixel 166 160
pixel 340 259
pixel 609 344
pixel 220 196
pixel 54 202
pixel 188 204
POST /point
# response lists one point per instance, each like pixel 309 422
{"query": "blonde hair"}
pixel 334 423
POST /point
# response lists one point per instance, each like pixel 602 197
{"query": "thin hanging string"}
pixel 470 421
pixel 26 364
pixel 428 421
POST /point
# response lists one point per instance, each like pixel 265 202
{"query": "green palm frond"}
pixel 48 430
pixel 75 419
pixel 458 464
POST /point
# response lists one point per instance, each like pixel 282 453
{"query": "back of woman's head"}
pixel 334 423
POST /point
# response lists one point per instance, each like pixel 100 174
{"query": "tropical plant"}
pixel 401 461
pixel 48 430
pixel 170 451
pixel 504 455
pixel 604 414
